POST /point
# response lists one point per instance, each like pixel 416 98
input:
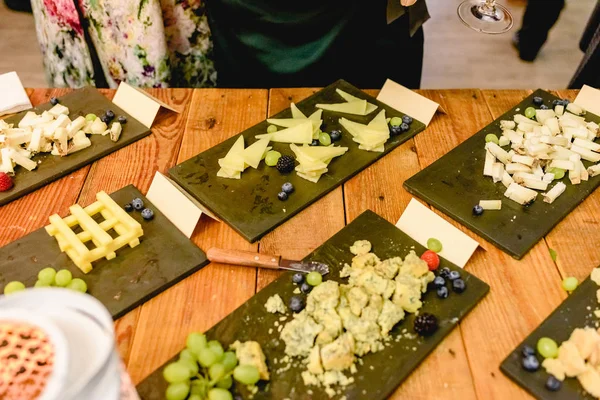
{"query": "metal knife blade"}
pixel 306 267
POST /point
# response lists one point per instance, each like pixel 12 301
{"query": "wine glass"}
pixel 485 16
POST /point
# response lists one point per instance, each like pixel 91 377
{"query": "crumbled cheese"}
pixel 275 304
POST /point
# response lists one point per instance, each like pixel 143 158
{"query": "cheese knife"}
pixel 251 259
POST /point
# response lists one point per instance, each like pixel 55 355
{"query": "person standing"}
pixel 274 43
pixel 588 72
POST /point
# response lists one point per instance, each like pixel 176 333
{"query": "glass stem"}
pixel 488 7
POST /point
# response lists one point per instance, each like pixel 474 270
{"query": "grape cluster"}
pixel 49 277
pixel 205 371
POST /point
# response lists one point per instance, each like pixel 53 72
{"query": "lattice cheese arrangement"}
pixel 74 244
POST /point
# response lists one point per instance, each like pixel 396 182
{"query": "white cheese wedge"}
pixel 586 154
pixel 61 122
pixel 542 115
pixel 302 133
pixel 24 162
pixel 80 141
pixel 491 204
pixel 521 119
pixel 36 138
pixel 75 126
pixel 115 131
pixel 552 124
pixel 553 193
pixel 60 141
pixel 559 110
pixel 357 107
pixel 98 127
pixel 296 113
pixel 7 162
pixel 594 170
pixel 254 153
pixel 575 109
pixel 587 144
pixel 58 110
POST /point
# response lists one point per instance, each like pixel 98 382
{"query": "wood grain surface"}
pixel 464 366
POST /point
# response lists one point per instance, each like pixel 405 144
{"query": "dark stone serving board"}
pixel 164 257
pixel 50 168
pixel 572 313
pixel 250 204
pixel 455 183
pixel 390 367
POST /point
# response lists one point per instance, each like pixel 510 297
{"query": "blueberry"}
pixel 296 303
pixel 110 114
pixel 298 278
pixel 530 363
pixel 147 214
pixel 553 384
pixel 477 210
pixel 443 292
pixel 105 119
pixel 287 188
pixel 128 207
pixel 565 102
pixel 315 142
pixel 445 272
pixel 527 351
pixel 122 119
pixel 404 127
pixel 305 288
pixel 54 101
pixel 453 275
pixel 395 130
pixel 538 101
pixel 335 135
pixel 137 204
pixel 544 107
pixel 556 102
pixel 282 196
pixel 407 120
pixel 459 286
pixel 439 281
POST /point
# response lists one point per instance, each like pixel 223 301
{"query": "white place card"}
pixel 589 99
pixel 421 224
pixel 177 205
pixel 408 102
pixel 13 97
pixel 139 104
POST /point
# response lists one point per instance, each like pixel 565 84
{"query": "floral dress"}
pixel 147 43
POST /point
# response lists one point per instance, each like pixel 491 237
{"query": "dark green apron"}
pixel 287 43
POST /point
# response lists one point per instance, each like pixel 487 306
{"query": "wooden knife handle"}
pixel 245 258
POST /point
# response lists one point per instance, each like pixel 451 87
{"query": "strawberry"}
pixel 432 260
pixel 5 182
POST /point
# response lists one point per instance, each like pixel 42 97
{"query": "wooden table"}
pixel 464 366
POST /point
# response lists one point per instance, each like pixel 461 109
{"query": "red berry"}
pixel 432 260
pixel 5 182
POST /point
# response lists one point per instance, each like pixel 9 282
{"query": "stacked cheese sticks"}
pixel 534 152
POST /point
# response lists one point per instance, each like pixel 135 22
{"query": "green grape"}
pixel 219 394
pixel 195 342
pixel 13 287
pixel 225 383
pixel 199 387
pixel 530 112
pixel 229 360
pixel 207 357
pixel 558 172
pixel 570 283
pixel 39 284
pixel 195 397
pixel 490 137
pixel 90 117
pixel 192 365
pixel 271 129
pixel 246 374
pixel 314 278
pixel 78 285
pixel 176 372
pixel 272 157
pixel 434 245
pixel 47 276
pixel 547 348
pixel 186 354
pixel 63 277
pixel 324 139
pixel 177 391
pixel 396 121
pixel 216 348
pixel 216 371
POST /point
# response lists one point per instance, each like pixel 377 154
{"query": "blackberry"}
pixel 426 324
pixel 286 164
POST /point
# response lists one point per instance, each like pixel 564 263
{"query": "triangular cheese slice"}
pixel 297 134
pixel 296 113
pixel 379 149
pixel 254 153
pixel 225 173
pixel 233 159
pixel 309 178
pixel 348 97
pixel 379 122
pixel 357 107
pixel 322 153
pixel 290 122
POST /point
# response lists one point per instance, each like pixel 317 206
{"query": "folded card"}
pixel 589 99
pixel 139 104
pixel 408 101
pixel 13 97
